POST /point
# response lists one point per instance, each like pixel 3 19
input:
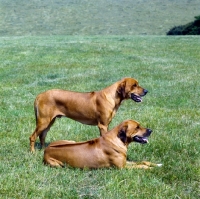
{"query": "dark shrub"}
pixel 192 28
pixel 177 30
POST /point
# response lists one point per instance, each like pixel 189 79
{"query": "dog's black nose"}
pixel 149 131
pixel 145 91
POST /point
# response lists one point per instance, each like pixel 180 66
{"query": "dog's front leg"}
pixel 102 128
pixel 141 165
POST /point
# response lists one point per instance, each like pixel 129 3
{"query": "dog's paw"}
pixel 159 165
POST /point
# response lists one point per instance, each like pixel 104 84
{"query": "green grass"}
pixel 92 17
pixel 168 67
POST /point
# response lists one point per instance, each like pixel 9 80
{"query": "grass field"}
pixel 91 17
pixel 168 67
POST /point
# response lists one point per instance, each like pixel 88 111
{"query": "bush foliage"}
pixel 192 28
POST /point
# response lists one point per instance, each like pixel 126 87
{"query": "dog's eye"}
pixel 134 85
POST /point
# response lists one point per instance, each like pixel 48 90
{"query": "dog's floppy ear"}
pixel 122 134
pixel 121 89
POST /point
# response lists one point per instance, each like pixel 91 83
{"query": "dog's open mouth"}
pixel 136 98
pixel 141 140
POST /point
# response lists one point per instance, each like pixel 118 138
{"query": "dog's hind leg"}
pixel 41 130
pixel 52 162
pixel 43 134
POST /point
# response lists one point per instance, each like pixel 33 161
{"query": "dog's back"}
pixel 83 154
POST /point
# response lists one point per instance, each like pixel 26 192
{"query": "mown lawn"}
pixel 168 67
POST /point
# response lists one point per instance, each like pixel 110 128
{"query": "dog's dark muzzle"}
pixel 138 98
pixel 143 139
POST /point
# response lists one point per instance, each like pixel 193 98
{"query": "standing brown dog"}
pixel 109 150
pixel 92 108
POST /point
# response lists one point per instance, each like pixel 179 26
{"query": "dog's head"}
pixel 130 89
pixel 131 131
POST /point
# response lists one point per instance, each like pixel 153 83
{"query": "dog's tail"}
pixel 36 110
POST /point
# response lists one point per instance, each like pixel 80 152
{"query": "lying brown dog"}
pixel 109 150
pixel 92 108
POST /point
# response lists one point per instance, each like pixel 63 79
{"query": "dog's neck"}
pixel 112 95
pixel 113 139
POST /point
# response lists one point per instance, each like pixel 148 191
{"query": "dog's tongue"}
pixel 139 99
pixel 145 140
pixel 136 98
pixel 142 140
